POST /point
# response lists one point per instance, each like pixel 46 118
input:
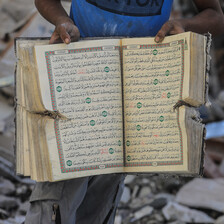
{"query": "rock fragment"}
pixel 173 211
pixel 203 193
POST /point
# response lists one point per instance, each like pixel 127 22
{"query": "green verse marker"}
pixel 69 162
pixel 92 122
pixel 88 100
pixel 167 73
pixel 59 89
pixel 139 105
pixel 155 52
pixel 111 151
pixel 161 118
pixel 156 81
pixel 106 69
pixel 104 113
pixel 138 127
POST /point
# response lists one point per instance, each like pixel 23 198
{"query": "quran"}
pixel 110 106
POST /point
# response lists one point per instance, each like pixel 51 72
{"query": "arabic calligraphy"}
pixel 152 85
pixel 88 92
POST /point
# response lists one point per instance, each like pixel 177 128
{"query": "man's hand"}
pixel 65 31
pixel 209 19
pixel 169 28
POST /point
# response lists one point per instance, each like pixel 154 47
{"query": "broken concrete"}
pixel 203 193
pixel 174 211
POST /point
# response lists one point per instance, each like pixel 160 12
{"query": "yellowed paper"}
pixel 153 83
pixel 82 81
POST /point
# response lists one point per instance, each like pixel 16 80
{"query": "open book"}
pixel 108 106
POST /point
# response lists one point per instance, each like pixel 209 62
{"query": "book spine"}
pixel 122 92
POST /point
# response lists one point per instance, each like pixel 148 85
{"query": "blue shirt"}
pixel 134 18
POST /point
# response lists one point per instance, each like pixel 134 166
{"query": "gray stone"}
pixel 6 80
pixel 135 191
pixel 145 192
pixel 147 200
pixel 3 214
pixel 21 190
pixel 5 112
pixel 174 211
pixel 129 179
pixel 126 196
pixel 7 170
pixel 6 187
pixel 14 14
pixel 145 211
pixel 16 220
pixel 7 154
pixel 7 141
pixel 13 220
pixel 159 203
pixel 136 203
pixel 139 202
pixel 172 185
pixel 159 217
pixel 153 186
pixel 28 181
pixel 203 193
pixel 145 181
pixel 220 220
pixel 169 197
pixel 8 202
pixel 118 220
pixel 19 218
pixel 221 167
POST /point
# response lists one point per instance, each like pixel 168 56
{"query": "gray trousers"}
pixel 88 200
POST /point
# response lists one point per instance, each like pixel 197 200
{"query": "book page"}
pixel 27 88
pixel 153 83
pixel 82 81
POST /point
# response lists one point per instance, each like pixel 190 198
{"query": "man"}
pixel 93 200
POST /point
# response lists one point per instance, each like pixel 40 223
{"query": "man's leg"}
pixel 90 200
pixel 50 199
pixel 101 200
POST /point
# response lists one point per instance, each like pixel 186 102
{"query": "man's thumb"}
pixel 163 32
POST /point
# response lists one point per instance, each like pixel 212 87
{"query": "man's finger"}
pixel 166 28
pixel 54 37
pixel 64 35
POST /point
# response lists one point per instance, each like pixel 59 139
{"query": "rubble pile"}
pixel 14 202
pixel 14 190
pixel 172 200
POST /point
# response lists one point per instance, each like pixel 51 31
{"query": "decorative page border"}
pixel 63 168
pixel 165 163
pixel 48 54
